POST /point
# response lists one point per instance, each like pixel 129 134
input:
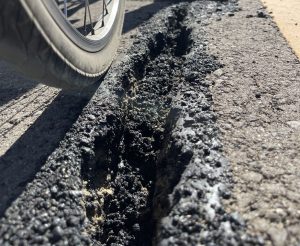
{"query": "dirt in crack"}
pixel 119 182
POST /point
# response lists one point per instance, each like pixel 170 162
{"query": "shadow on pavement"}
pixel 12 85
pixel 19 165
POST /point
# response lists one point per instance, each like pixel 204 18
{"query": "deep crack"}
pixel 157 175
pixel 146 148
pixel 120 184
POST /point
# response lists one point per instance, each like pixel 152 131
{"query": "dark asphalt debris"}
pixel 262 14
pixel 143 164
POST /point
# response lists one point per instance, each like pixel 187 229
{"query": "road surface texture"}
pixel 257 99
pixel 190 139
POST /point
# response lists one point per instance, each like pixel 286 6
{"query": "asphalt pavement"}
pixel 181 143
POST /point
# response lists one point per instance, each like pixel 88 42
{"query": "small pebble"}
pixel 261 14
pixel 57 233
pixel 294 124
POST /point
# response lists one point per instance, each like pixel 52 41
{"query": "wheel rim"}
pixel 88 23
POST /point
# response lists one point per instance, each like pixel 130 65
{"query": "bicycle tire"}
pixel 39 47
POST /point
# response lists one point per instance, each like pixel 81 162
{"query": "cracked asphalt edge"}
pixel 197 215
pixel 52 209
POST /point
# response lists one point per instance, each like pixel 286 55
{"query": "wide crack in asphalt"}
pixel 158 176
pixel 121 183
pixel 143 164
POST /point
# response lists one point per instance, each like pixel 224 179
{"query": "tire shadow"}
pixel 12 85
pixel 19 165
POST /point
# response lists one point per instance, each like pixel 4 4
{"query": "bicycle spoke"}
pixel 65 8
pixel 85 14
pixel 90 16
pixel 92 12
pixel 104 9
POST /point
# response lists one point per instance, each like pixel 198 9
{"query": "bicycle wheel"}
pixel 61 43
